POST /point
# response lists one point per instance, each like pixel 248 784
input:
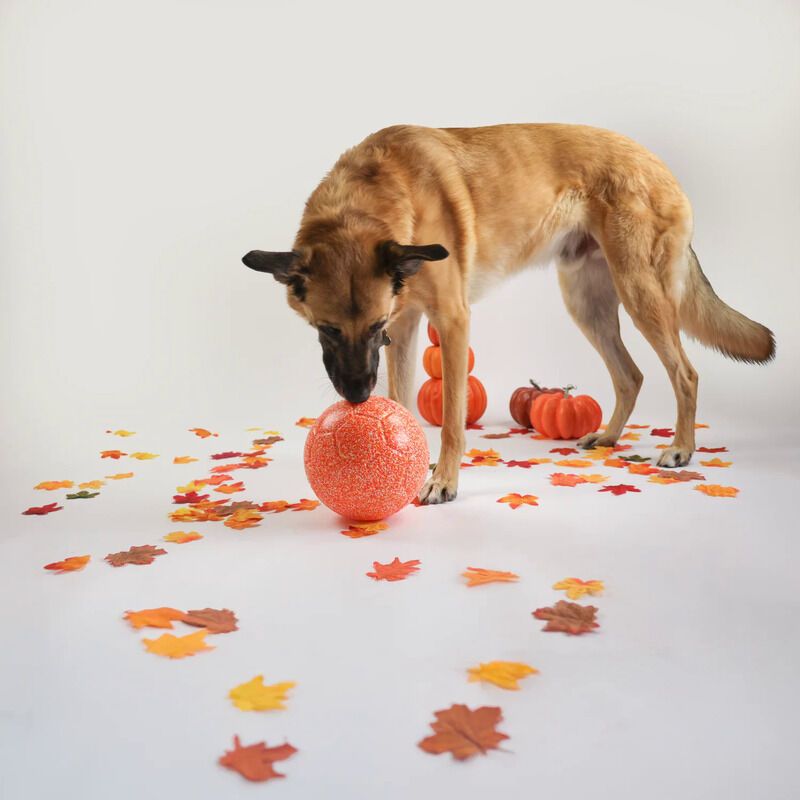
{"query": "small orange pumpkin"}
pixel 562 416
pixel 433 334
pixel 430 404
pixel 432 361
pixel 522 400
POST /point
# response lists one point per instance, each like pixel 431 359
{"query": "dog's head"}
pixel 346 287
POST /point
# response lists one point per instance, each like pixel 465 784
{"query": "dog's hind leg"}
pixel 592 301
pixel 401 356
pixel 648 259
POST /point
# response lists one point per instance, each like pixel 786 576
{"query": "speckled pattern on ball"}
pixel 366 461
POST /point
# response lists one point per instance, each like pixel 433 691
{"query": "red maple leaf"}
pixel 620 488
pixel 189 497
pixel 518 430
pixel 564 451
pixel 254 761
pixel 41 510
pixel 396 570
pixel 226 454
pixel 712 449
pixel 667 433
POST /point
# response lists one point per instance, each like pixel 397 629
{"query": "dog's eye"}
pixel 329 331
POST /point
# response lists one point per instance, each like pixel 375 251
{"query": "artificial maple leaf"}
pixel 226 454
pixel 396 570
pixel 506 435
pixel 636 459
pixel 540 437
pixel 183 460
pixel 202 433
pixel 306 422
pixel 192 486
pixel 115 454
pixel 566 479
pixel 255 696
pixel 122 432
pixel 595 478
pixel 214 620
pixel 699 425
pixel 574 462
pixel 82 495
pixel 619 448
pixel 716 462
pixel 667 433
pixel 177 646
pixel 486 458
pixel 566 617
pixel 189 497
pixel 358 530
pixel 598 453
pixel 51 486
pixel 464 732
pixel 69 564
pixel 143 554
pixel 227 509
pixel 162 617
pixel 274 506
pixel 712 449
pixel 615 462
pixel 564 451
pixel 476 576
pixel 519 430
pixel 120 476
pixel 190 514
pixel 255 761
pixel 576 588
pixel 715 490
pixel 40 511
pixel 528 463
pixel 304 504
pixel 179 537
pixel 504 674
pixel 676 476
pixel 620 488
pixel 216 479
pixel 637 427
pixel 231 488
pixel 643 469
pixel 515 500
pixel 665 480
pixel 633 437
pixel 143 456
pixel 267 441
pixel 91 484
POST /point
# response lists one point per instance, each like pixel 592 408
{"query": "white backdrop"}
pixel 146 147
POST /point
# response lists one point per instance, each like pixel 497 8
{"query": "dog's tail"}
pixel 705 317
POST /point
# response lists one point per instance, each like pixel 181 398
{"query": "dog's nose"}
pixel 356 394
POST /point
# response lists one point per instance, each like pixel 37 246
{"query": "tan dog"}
pixel 494 200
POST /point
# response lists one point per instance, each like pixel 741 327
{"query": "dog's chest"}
pixel 483 279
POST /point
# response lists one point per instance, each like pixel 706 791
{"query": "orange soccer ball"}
pixel 366 461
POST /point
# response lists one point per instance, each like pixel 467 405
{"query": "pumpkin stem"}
pixel 568 388
pixel 535 385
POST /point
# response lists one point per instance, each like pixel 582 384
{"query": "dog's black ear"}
pixel 402 261
pixel 280 265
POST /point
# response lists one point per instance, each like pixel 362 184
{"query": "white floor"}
pixel 687 690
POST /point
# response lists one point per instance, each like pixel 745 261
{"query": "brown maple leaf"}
pixel 566 617
pixel 396 570
pixel 143 554
pixel 680 475
pixel 231 508
pixel 212 619
pixel 505 435
pixel 464 732
pixel 254 761
pixel 267 442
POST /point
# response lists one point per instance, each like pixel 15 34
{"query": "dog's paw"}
pixel 597 439
pixel 675 457
pixel 438 490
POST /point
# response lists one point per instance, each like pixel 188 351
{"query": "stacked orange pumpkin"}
pixel 429 399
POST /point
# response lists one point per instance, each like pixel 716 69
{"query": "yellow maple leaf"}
pixel 144 456
pixel 183 460
pixel 119 476
pixel 123 432
pixel 243 518
pixel 595 478
pixel 154 617
pixel 177 646
pixel 634 437
pixel 51 486
pixel 504 674
pixel 192 486
pixel 179 537
pixel 358 530
pixel 255 696
pixel 574 462
pixel 715 490
pixel 716 462
pixel 599 453
pixel 91 484
pixel 664 479
pixel 576 588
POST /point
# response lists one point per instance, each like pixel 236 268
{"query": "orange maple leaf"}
pixel 304 504
pixel 573 462
pixel 637 427
pixel 396 570
pixel 119 476
pixel 274 506
pixel 515 500
pixel 183 460
pixel 70 564
pixel 476 576
pixel 595 478
pixel 244 518
pixel 231 488
pixel 202 432
pixel 177 646
pixel 359 530
pixel 642 469
pixel 666 480
pixel 51 486
pixel 179 537
pixel 464 732
pixel 716 462
pixel 255 761
pixel 153 617
pixel 115 454
pixel 306 422
pixel 91 484
pixel 615 462
pixel 566 479
pixel 715 490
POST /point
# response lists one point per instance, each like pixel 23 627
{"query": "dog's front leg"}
pixel 453 328
pixel 401 355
